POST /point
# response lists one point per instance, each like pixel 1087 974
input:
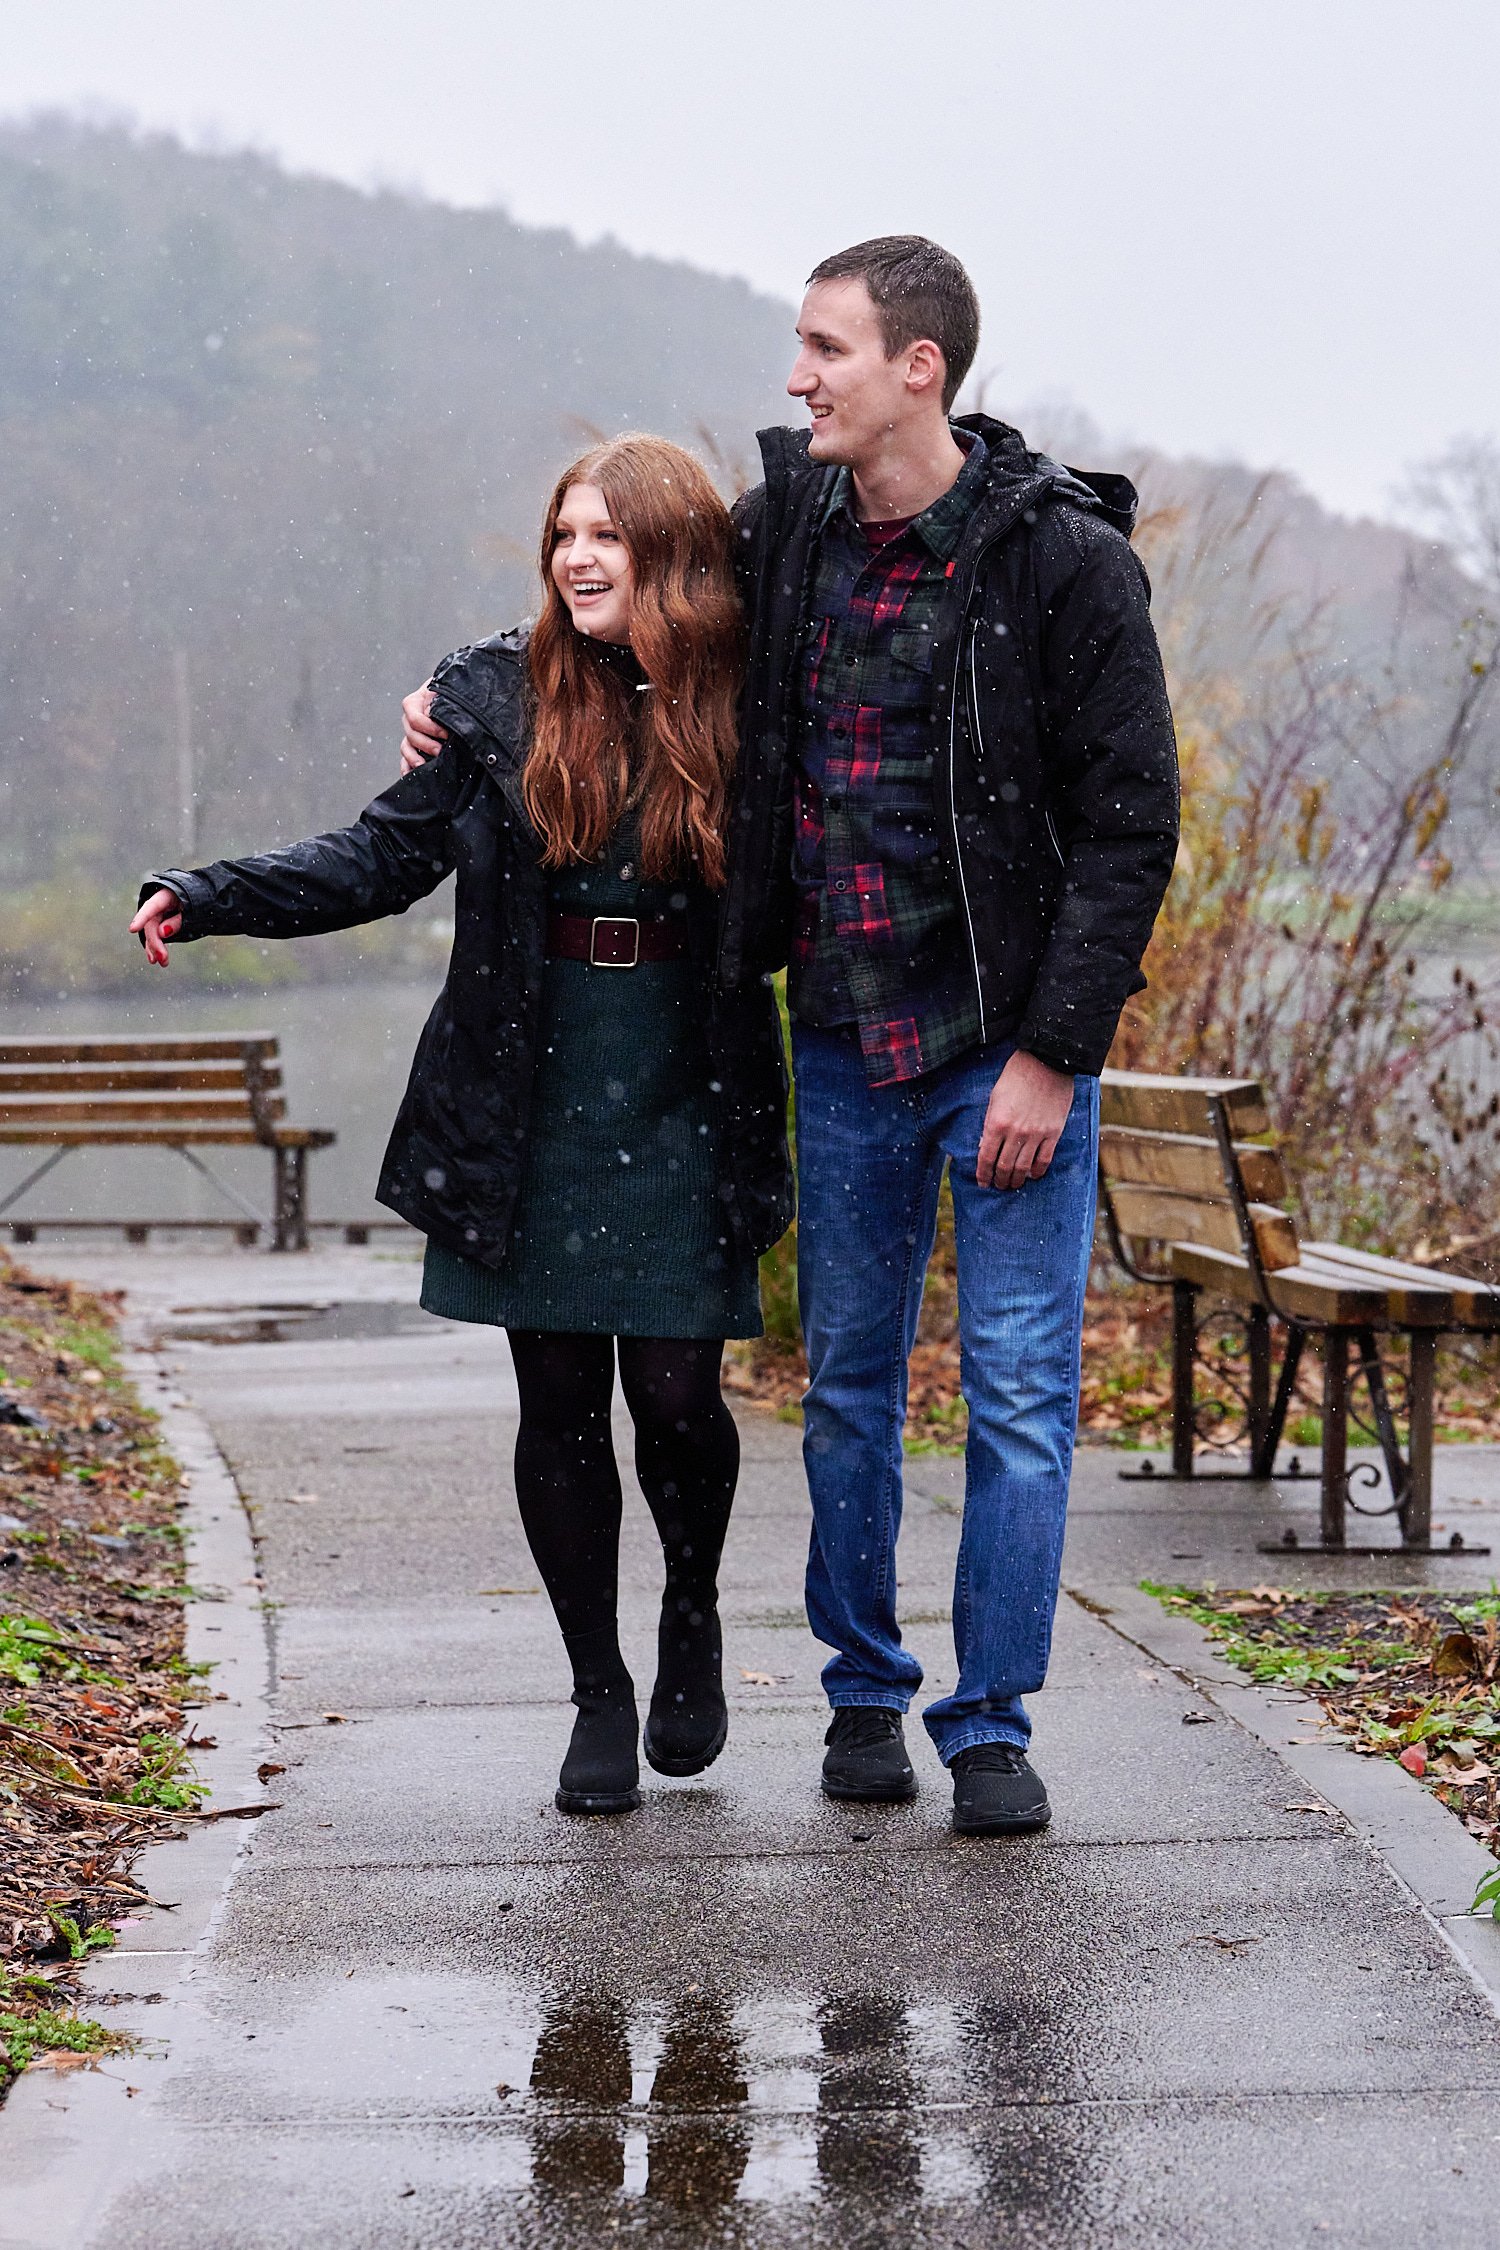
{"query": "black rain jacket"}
pixel 1054 757
pixel 455 1158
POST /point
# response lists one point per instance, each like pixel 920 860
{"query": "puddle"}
pixel 707 2101
pixel 596 2101
pixel 300 1321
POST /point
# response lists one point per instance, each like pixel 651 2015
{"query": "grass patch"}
pixel 1412 1676
pixel 33 2025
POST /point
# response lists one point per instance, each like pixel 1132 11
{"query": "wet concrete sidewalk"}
pixel 431 2009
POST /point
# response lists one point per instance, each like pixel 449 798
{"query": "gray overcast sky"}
pixel 1265 227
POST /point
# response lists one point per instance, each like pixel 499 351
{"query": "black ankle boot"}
pixel 600 1772
pixel 688 1723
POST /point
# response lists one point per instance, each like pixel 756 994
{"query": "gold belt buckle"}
pixel 614 922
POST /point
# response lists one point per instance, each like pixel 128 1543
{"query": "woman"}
pixel 593 1136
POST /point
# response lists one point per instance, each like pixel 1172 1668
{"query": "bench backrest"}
pixel 1179 1162
pixel 56 1086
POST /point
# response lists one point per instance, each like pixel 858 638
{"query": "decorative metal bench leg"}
pixel 1258 1324
pixel 1263 1461
pixel 291 1199
pixel 1335 1434
pixel 1416 1516
pixel 1184 1339
pixel 1385 1421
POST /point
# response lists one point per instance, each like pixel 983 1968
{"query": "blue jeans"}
pixel 870 1162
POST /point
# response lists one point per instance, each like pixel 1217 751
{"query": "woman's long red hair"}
pixel 597 745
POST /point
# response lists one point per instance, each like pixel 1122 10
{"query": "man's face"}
pixel 855 394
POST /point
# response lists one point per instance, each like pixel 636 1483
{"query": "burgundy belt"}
pixel 615 941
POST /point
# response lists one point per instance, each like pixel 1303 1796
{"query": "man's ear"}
pixel 926 368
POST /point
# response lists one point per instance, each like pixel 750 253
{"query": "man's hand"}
pixel 158 921
pixel 1023 1123
pixel 420 738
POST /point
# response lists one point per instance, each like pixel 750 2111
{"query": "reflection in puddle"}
pixel 586 2129
pixel 582 2063
pixel 860 2099
pixel 867 2067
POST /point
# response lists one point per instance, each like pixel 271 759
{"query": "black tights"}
pixel 687 1457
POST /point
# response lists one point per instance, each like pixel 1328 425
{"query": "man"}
pixel 956 820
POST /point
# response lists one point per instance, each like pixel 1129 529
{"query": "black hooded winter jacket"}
pixel 1054 756
pixel 454 1162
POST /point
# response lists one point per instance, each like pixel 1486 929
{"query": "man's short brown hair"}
pixel 919 291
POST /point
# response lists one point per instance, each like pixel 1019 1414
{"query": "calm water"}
pixel 345 1051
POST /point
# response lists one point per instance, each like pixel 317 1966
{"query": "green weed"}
pixel 80 1943
pixel 23 2038
pixel 162 1783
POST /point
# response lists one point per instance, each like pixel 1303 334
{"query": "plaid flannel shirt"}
pixel 880 940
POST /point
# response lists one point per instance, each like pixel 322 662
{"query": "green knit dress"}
pixel 618 1230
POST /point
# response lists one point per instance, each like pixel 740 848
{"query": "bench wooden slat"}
pixel 1326 1295
pixel 1179 1105
pixel 1157 1215
pixel 167 1136
pixel 209 1107
pixel 1475 1303
pixel 173 1046
pixel 120 1078
pixel 1190 1165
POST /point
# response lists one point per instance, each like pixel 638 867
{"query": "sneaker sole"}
pixel 595 1801
pixel 894 1793
pixel 680 1769
pixel 1017 1824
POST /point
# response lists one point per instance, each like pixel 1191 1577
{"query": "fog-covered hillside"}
pixel 286 443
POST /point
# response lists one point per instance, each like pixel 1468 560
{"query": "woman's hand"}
pixel 157 923
pixel 421 739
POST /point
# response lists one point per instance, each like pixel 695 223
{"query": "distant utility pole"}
pixel 187 776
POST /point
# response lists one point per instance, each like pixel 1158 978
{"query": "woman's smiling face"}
pixel 591 565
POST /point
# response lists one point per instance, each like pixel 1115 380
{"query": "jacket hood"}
pixel 1013 467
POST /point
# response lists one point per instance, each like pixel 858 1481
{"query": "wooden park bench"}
pixel 1190 1180
pixel 185 1091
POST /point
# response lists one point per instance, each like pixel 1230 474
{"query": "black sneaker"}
pixel 867 1758
pixel 995 1792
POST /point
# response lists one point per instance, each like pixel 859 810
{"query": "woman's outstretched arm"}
pixel 398 850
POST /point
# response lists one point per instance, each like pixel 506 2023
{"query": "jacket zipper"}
pixel 958 853
pixel 965 625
